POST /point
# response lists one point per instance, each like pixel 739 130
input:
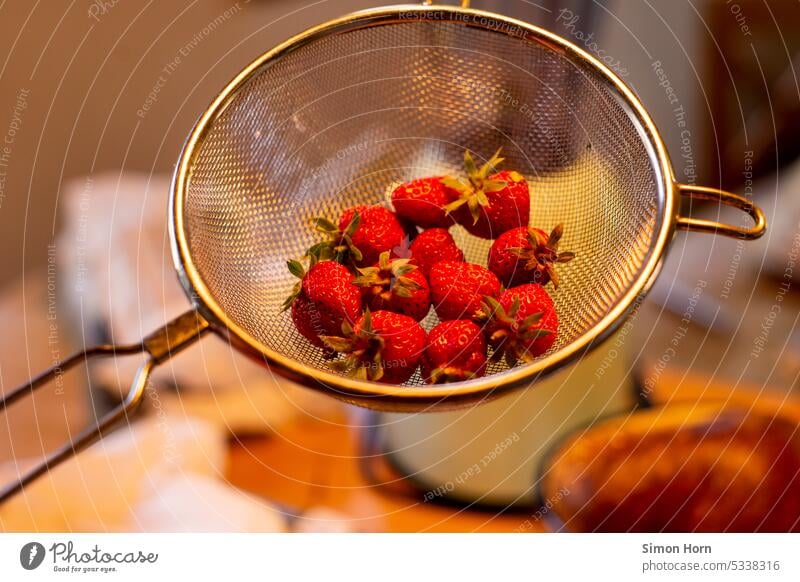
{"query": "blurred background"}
pixel 96 100
pixel 85 71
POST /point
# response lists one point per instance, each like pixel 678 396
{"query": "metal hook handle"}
pixel 159 346
pixel 729 199
pixel 464 3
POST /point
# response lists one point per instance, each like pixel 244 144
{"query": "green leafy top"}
pixel 474 189
pixel 297 269
pixel 390 276
pixel 544 254
pixel 338 245
pixel 362 350
pixel 511 338
pixel 450 374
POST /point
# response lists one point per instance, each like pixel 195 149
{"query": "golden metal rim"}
pixel 363 391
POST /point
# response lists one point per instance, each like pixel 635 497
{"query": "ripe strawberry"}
pixel 422 202
pixel 523 323
pixel 323 299
pixel 395 285
pixel 456 351
pixel 489 205
pixel 382 346
pixel 458 289
pixel 527 255
pixel 363 233
pixel 433 246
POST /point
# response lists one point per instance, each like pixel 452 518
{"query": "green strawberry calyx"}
pixel 338 244
pixel 474 189
pixel 297 269
pixel 362 350
pixel 450 374
pixel 511 337
pixel 389 277
pixel 543 253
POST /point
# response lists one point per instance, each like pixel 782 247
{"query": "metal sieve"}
pixel 337 114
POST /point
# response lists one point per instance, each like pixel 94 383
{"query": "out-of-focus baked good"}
pixel 681 468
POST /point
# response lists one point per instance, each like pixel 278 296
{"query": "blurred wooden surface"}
pixel 315 464
pixel 312 463
pixel 714 285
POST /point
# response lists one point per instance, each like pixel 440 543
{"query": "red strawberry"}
pixel 527 255
pixel 422 202
pixel 323 300
pixel 378 231
pixel 433 246
pixel 523 323
pixel 489 205
pixel 456 351
pixel 363 233
pixel 395 285
pixel 382 346
pixel 458 289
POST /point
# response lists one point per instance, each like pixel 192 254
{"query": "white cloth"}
pixel 156 474
pixel 117 263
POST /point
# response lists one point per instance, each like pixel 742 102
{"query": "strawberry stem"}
pixel 473 191
pixel 544 253
pixel 389 277
pixel 338 245
pixel 362 350
pixel 511 338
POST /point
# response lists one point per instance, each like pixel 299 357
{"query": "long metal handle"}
pixel 159 346
pixel 729 199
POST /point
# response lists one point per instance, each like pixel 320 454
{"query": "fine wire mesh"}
pixel 339 120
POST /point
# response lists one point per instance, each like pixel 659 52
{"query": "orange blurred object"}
pixel 685 467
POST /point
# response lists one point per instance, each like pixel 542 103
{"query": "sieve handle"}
pixel 728 199
pixel 158 346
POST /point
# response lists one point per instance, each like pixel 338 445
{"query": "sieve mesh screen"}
pixel 337 121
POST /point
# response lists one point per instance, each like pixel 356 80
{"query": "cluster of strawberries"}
pixel 366 288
